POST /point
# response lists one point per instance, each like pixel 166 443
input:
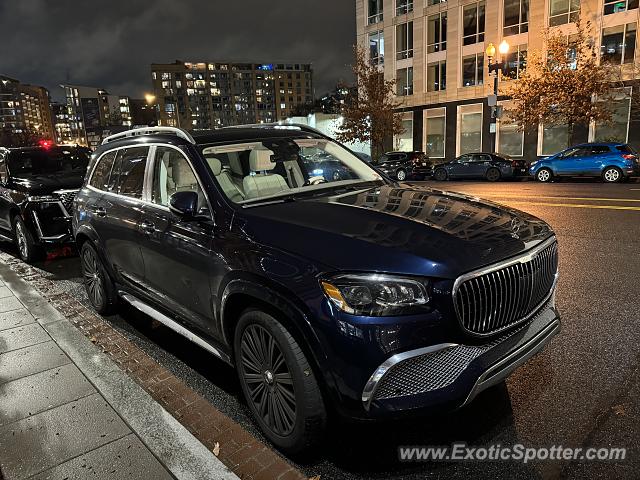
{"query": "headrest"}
pixel 260 160
pixel 215 165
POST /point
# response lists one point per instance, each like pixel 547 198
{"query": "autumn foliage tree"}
pixel 560 84
pixel 371 114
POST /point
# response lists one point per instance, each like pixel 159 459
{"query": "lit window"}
pixel 436 76
pixel 615 6
pixel 376 48
pixel 166 76
pixel 472 70
pixel 470 128
pixel 473 22
pixel 404 6
pixel 434 132
pixel 405 81
pixel 404 40
pixel 437 33
pixel 619 44
pixel 563 11
pixel 516 17
pixel 515 61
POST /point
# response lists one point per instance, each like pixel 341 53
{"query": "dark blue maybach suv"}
pixel 356 295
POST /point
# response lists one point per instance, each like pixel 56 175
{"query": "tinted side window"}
pixel 102 170
pixel 624 149
pixel 130 178
pixel 172 173
pixel 599 149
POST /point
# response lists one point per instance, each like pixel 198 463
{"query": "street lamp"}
pixel 495 69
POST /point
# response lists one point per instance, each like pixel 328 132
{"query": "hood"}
pixel 43 184
pixel 397 229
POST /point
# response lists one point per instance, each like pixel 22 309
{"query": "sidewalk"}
pixel 67 411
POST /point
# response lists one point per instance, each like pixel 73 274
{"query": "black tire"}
pixel 492 175
pixel 612 175
pixel 544 175
pixel 270 396
pixel 100 288
pixel 25 243
pixel 440 174
pixel 401 175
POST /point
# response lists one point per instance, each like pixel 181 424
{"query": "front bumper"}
pixel 449 375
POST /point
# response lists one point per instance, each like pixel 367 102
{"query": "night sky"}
pixel 111 44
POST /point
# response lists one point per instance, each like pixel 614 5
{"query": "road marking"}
pixel 589 199
pixel 576 205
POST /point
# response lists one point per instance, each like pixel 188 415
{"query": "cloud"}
pixel 112 44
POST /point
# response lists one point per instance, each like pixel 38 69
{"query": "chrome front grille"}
pixel 506 294
pixel 66 198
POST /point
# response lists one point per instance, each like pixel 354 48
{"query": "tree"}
pixel 560 84
pixel 370 115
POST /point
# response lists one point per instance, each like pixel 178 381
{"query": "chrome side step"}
pixel 173 325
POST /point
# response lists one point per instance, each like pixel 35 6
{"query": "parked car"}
pixel 359 297
pixel 327 167
pixel 613 162
pixel 405 165
pixel 490 166
pixel 37 188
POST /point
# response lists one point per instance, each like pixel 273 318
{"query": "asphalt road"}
pixel 582 391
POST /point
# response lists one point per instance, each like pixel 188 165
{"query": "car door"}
pixel 599 157
pixel 5 195
pixel 459 168
pixel 177 251
pixel 479 165
pixel 567 162
pixel 120 175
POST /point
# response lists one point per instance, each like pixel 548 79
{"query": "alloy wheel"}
pixel 92 277
pixel 268 380
pixel 440 174
pixel 544 175
pixel 401 175
pixel 21 238
pixel 493 175
pixel 612 175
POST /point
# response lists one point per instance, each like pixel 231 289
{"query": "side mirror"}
pixel 184 204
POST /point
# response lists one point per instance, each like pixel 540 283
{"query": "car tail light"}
pixel 628 156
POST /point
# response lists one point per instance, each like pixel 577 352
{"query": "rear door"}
pixel 599 157
pixel 5 194
pixel 177 251
pixel 117 213
pixel 479 165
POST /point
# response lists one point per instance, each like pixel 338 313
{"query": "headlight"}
pixel 376 295
pixel 533 164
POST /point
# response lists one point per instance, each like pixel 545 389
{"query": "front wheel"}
pixel 278 383
pixel 401 175
pixel 25 243
pixel 612 175
pixel 100 289
pixel 544 175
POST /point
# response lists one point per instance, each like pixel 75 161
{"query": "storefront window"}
pixel 470 131
pixel 434 132
pixel 554 139
pixel 510 140
pixel 616 130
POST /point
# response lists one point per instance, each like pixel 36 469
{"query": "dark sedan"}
pixel 404 165
pixel 490 166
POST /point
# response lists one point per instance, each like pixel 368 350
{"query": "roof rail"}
pixel 136 132
pixel 281 125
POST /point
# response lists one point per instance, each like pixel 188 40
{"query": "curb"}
pixel 237 449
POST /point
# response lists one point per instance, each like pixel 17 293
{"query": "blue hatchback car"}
pixel 613 162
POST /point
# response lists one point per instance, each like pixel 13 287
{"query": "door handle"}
pixel 100 211
pixel 147 227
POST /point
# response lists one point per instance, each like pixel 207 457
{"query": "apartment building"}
pixel 24 109
pixel 202 95
pixel 94 112
pixel 436 51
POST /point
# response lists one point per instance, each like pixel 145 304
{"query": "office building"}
pixel 24 110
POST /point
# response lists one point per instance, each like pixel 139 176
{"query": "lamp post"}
pixel 495 68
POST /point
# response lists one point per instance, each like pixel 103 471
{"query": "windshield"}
pixel 56 161
pixel 266 170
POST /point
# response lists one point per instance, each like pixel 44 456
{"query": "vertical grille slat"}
pixel 491 301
